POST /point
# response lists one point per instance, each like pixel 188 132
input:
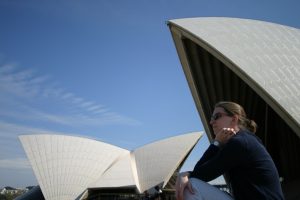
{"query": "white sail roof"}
pixel 156 162
pixel 265 55
pixel 65 166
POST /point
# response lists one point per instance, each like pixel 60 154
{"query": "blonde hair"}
pixel 232 108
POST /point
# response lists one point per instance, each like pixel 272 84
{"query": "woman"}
pixel 237 152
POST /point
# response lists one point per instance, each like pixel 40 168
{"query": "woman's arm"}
pixel 230 155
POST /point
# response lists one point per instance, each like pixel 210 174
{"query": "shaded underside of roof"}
pixel 220 62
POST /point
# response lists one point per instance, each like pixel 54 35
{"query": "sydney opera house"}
pixel 69 167
pixel 254 63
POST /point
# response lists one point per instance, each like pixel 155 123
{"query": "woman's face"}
pixel 220 119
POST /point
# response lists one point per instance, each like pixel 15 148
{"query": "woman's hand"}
pixel 224 135
pixel 182 182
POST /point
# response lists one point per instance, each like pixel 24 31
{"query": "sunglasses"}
pixel 218 116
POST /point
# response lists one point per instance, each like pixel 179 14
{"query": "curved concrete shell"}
pixel 119 174
pixel 254 63
pixel 66 166
pixel 149 165
pixel 156 162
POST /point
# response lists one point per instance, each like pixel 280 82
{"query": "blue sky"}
pixel 104 69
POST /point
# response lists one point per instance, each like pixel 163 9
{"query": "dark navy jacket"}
pixel 251 170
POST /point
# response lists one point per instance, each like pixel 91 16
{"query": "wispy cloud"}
pixel 10 148
pixel 17 163
pixel 29 91
pixel 12 131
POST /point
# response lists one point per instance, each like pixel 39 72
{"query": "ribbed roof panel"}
pixel 265 55
pixel 156 162
pixel 65 165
